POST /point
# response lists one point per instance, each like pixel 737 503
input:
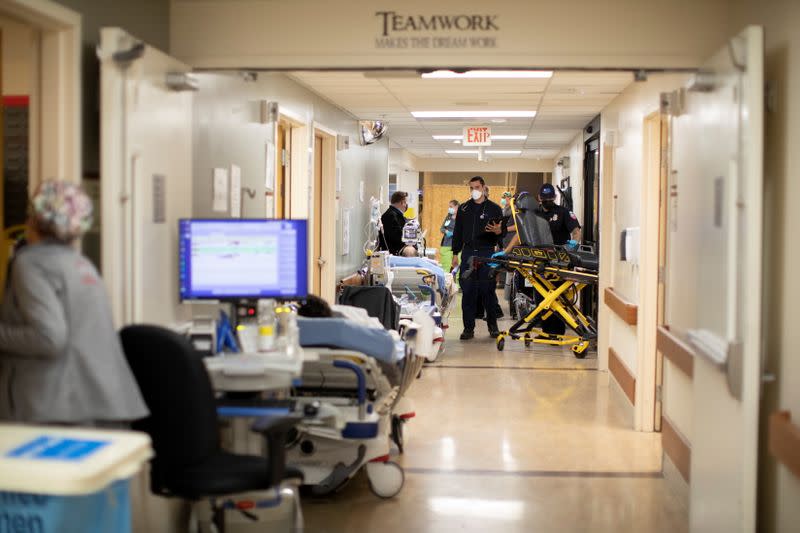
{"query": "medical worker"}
pixel 60 357
pixel 478 231
pixel 448 224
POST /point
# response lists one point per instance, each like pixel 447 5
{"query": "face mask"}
pixel 548 204
pixel 451 210
pixel 476 195
pixel 503 202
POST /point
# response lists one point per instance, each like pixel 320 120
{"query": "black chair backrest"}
pixel 532 229
pixel 178 393
pixel 377 301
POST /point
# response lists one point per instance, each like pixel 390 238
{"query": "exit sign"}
pixel 477 136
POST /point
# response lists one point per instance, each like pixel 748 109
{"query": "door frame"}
pixel 55 151
pixel 326 233
pixel 649 360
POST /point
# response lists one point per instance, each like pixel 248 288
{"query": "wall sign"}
pixel 477 136
pixel 452 30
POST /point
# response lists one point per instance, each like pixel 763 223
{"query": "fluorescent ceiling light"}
pixel 473 114
pixel 494 137
pixel 515 152
pixel 488 74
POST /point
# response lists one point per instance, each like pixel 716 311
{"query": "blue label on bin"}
pixel 51 448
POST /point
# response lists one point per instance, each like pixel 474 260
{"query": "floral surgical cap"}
pixel 62 209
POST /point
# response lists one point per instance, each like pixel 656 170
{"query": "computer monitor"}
pixel 227 259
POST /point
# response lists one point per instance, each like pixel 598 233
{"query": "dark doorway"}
pixel 591 207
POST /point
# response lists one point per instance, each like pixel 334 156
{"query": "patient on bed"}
pixel 319 328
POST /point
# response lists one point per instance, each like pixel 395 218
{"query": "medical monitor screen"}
pixel 233 258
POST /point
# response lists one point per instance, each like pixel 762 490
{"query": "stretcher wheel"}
pixel 580 349
pixel 385 479
pixel 528 341
pixel 501 343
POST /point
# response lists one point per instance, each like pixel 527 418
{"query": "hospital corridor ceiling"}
pixel 563 102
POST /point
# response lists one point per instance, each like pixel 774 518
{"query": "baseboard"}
pixel 676 482
pixel 676 447
pixel 623 376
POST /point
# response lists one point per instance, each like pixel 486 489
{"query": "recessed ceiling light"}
pixel 461 151
pixel 494 137
pixel 498 120
pixel 456 142
pixel 488 74
pixel 473 114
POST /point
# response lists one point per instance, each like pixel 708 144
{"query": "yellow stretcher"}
pixel 557 276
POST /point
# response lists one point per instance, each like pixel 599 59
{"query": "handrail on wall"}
pixel 627 311
pixel 675 349
pixel 784 441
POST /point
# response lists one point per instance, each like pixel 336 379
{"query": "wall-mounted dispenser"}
pixel 629 245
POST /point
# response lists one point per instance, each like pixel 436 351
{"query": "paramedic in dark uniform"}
pixel 478 230
pixel 566 232
pixel 393 219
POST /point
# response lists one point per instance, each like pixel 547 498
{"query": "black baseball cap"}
pixel 547 192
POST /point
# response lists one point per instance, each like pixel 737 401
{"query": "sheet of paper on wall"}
pixel 269 206
pixel 269 170
pixel 236 191
pixel 346 231
pixel 361 191
pixel 220 190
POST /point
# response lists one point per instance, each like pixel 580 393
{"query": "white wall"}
pixel 404 165
pixel 574 150
pixel 228 131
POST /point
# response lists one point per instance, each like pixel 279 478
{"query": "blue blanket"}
pixel 339 333
pixel 420 262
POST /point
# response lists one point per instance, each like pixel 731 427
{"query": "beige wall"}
pixel 779 490
pixel 625 117
pixel 633 33
pixel 18 44
pixel 473 166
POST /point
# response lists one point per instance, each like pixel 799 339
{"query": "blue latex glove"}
pixel 496 254
pixel 448 233
pixel 571 245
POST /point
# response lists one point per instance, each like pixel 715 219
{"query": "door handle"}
pixel 321 262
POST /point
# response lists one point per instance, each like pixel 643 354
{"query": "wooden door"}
pixel 283 174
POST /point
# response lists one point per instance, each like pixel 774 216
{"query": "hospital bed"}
pixel 358 376
pixel 417 284
pixel 556 274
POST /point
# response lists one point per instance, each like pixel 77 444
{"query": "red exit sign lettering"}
pixel 477 136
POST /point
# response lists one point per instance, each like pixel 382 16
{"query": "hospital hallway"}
pixel 519 440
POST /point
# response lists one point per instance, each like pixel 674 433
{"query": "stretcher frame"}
pixel 547 270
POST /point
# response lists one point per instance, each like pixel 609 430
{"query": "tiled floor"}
pixel 523 440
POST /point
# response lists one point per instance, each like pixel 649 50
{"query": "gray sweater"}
pixel 60 357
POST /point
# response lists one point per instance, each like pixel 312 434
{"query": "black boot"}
pixel 467 334
pixel 493 331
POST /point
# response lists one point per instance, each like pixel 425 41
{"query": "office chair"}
pixel 189 462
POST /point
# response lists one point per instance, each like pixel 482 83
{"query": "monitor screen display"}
pixel 235 258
